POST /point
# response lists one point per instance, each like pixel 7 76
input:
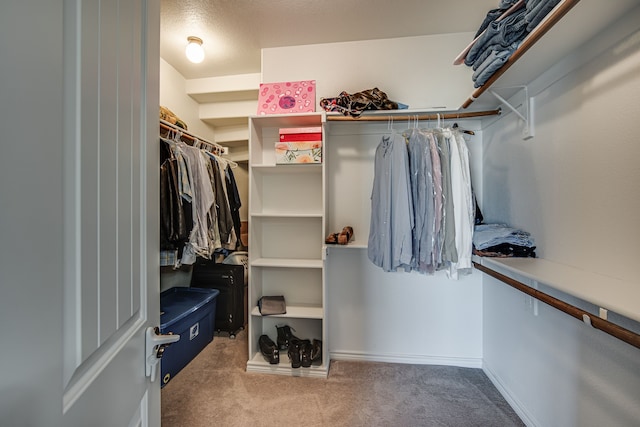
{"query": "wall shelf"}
pixel 574 282
pixel 294 311
pixel 287 262
pixel 617 296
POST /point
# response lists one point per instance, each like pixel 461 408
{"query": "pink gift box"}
pixel 287 97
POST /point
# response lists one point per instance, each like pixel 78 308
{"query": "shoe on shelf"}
pixel 345 235
pixel 295 346
pixel 269 350
pixel 285 336
pixel 316 350
pixel 332 239
pixel 305 353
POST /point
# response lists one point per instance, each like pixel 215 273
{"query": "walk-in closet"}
pixel 533 134
pixel 443 233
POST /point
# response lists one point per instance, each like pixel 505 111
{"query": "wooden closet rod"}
pixel 550 20
pixel 190 136
pixel 584 316
pixel 406 117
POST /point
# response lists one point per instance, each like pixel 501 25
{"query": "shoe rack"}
pixel 287 211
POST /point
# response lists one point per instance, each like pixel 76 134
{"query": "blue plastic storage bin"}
pixel 190 313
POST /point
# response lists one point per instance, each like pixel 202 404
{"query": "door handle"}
pixel 155 346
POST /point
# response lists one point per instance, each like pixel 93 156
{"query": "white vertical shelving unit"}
pixel 287 227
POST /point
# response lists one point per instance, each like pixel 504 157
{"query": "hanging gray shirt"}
pixel 390 233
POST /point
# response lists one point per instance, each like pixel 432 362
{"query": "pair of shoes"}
pixel 345 235
pixel 269 350
pixel 341 238
pixel 304 352
pixel 285 336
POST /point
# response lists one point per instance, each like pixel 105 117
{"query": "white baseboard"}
pixel 462 362
pixel 517 406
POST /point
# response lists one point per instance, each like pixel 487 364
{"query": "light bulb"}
pixel 194 51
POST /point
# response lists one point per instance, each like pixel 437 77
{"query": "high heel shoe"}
pixel 284 337
pixel 269 350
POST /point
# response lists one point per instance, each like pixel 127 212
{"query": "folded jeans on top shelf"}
pixel 536 11
pixel 491 64
pixel 504 33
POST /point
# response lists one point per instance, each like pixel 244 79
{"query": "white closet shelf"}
pixel 288 120
pixel 287 215
pixel 354 244
pixel 258 364
pixel 615 295
pixel 299 311
pixel 292 168
pixel 287 263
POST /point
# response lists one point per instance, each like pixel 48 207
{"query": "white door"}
pixel 79 264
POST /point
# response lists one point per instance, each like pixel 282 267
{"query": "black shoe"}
pixel 285 337
pixel 269 350
pixel 294 352
pixel 316 350
pixel 305 353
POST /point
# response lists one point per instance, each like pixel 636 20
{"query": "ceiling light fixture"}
pixel 194 51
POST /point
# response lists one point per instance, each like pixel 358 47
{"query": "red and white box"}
pixel 310 133
pixel 287 97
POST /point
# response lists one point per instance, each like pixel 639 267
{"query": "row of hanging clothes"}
pixel 423 209
pixel 199 200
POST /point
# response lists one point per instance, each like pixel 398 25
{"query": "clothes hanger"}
pixel 468 132
pixel 228 162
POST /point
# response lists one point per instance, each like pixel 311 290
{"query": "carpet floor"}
pixel 215 390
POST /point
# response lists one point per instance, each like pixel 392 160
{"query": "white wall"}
pixel 417 71
pixel 173 95
pixel 576 187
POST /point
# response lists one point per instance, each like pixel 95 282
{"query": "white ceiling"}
pixel 234 31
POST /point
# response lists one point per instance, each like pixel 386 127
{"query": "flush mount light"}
pixel 194 50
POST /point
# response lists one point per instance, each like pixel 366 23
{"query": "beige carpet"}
pixel 215 390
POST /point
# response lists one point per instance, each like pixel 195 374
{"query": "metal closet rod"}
pixel 407 117
pixel 584 316
pixel 190 136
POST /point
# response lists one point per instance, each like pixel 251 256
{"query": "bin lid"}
pixel 179 302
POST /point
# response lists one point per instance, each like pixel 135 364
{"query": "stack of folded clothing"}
pixel 501 33
pixel 500 240
pixel 537 10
